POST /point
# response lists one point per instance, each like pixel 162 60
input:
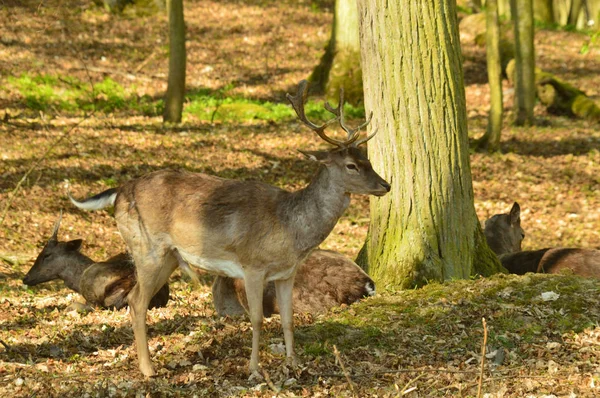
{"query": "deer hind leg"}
pixel 254 282
pixel 152 273
pixel 283 289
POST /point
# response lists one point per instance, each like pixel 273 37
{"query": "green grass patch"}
pixel 50 93
pixel 217 105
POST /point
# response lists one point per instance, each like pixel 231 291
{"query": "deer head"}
pixel 50 263
pixel 346 161
pixel 503 232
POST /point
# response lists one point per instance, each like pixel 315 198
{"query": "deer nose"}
pixel 386 186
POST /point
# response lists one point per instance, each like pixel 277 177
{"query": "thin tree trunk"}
pixel 576 7
pixel 426 229
pixel 522 15
pixel 177 60
pixel 491 140
pixel 340 65
pixel 544 10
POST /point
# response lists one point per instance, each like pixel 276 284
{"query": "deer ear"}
pixel 316 156
pixel 515 214
pixel 74 245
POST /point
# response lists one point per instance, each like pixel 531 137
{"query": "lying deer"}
pixel 504 236
pixel 105 284
pixel 240 229
pixel 325 280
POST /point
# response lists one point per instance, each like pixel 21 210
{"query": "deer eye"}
pixel 352 166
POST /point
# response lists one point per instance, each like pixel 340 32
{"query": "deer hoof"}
pixel 255 376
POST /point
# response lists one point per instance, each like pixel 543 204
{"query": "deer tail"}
pixel 96 202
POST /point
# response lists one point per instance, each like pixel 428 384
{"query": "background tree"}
pixel 426 229
pixel 340 65
pixel 177 58
pixel 522 17
pixel 491 139
pixel 544 10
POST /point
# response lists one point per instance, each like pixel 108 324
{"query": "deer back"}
pixel 522 262
pixel 582 262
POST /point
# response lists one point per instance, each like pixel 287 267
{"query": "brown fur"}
pixel 325 280
pixel 504 238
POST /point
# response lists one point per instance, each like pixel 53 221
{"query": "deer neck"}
pixel 312 212
pixel 73 268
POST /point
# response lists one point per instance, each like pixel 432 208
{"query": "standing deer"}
pixel 104 284
pixel 504 236
pixel 240 229
pixel 324 280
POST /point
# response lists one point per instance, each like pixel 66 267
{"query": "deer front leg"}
pixel 254 282
pixel 283 289
pixel 150 278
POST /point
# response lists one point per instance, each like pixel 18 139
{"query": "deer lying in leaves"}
pixel 104 284
pixel 504 236
pixel 325 280
pixel 239 229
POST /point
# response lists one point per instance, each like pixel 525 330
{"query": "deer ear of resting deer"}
pixel 502 232
pixel 103 284
pixel 325 280
pixel 239 229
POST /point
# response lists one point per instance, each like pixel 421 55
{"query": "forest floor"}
pixel 80 101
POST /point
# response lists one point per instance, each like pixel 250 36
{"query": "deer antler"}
pixel 56 226
pixel 298 102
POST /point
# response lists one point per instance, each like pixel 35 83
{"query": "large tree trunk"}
pixel 340 65
pixel 426 229
pixel 176 82
pixel 491 139
pixel 522 16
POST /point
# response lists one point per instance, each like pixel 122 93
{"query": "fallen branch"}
pixel 14 192
pixel 109 71
pixel 145 62
pixel 483 344
pixel 346 374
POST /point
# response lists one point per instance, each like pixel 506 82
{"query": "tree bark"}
pixel 340 65
pixel 491 139
pixel 522 16
pixel 177 60
pixel 544 10
pixel 426 229
pixel 574 11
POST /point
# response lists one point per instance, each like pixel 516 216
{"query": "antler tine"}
pixel 339 112
pixel 367 138
pixel 298 101
pixel 56 226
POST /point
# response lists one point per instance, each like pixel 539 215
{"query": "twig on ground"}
pixel 8 347
pixel 346 374
pixel 145 62
pixel 405 390
pixel 35 164
pixel 9 260
pixel 272 386
pixel 483 345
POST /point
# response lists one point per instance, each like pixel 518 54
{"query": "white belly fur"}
pixel 228 268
